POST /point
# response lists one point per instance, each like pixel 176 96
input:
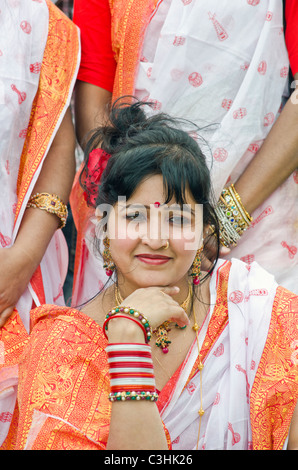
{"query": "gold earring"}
pixel 196 267
pixel 108 265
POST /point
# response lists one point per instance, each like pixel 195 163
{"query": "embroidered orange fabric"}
pixel 64 377
pixel 275 390
pixel 129 21
pixel 63 384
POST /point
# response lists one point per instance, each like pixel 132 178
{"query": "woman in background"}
pixel 39 59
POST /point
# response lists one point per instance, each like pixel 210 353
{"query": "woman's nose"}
pixel 157 232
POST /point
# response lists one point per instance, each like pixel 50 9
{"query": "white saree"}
pixel 229 368
pixel 223 64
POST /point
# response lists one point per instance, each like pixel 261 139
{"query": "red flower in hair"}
pixel 97 163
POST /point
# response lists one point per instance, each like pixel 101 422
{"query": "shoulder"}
pixel 62 373
pixel 63 337
pixel 53 324
pixel 251 276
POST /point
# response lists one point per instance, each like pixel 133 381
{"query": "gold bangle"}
pixel 241 207
pixel 50 203
pixel 232 215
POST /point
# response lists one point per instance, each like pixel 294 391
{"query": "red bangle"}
pixel 105 324
pixel 131 371
pixel 141 354
pixel 124 365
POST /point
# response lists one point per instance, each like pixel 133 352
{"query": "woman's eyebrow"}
pixel 135 205
pixel 186 207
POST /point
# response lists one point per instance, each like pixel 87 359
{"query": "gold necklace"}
pixel 161 332
pixel 201 412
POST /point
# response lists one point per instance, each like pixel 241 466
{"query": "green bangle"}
pixel 137 396
pixel 137 315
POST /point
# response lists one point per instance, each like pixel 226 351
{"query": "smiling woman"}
pixel 167 356
pixel 148 245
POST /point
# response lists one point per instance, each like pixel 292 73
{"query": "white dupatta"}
pixel 229 368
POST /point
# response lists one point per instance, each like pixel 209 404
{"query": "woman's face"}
pixel 153 244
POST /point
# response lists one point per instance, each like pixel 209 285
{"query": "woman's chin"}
pixel 156 281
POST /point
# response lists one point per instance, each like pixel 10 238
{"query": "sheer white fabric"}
pixel 23 35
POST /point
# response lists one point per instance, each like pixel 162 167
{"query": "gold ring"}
pixel 166 245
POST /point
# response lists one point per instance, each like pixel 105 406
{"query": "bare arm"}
pixel 133 425
pixel 138 425
pixel 91 106
pixel 19 262
pixel 275 161
pixel 293 434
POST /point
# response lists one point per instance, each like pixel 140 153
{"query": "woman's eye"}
pixel 179 220
pixel 136 216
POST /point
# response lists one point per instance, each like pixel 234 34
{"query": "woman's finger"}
pixel 181 318
pixel 4 315
pixel 170 290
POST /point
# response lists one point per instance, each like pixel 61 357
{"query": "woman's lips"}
pixel 153 259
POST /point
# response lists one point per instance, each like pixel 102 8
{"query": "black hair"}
pixel 142 145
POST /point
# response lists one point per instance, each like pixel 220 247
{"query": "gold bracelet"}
pixel 50 203
pixel 246 217
pixel 232 215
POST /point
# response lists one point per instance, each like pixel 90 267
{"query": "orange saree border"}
pixel 129 21
pixel 60 62
pixel 275 390
pixel 59 65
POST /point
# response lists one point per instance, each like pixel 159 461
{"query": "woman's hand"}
pixel 16 270
pixel 156 304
